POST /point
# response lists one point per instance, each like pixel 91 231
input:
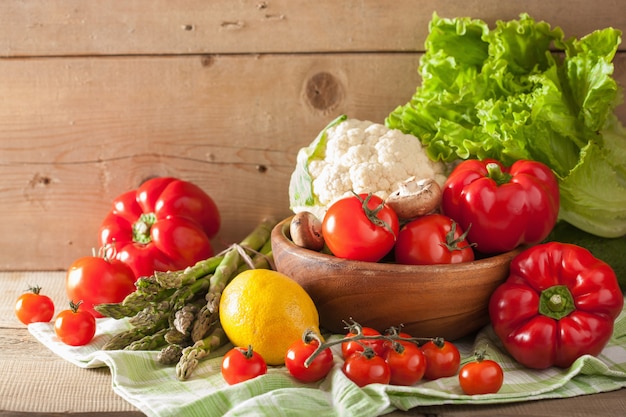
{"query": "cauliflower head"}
pixel 360 156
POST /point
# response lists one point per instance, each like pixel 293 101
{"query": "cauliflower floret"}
pixel 364 157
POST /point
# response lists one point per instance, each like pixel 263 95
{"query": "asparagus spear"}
pixel 149 342
pixel 151 315
pixel 174 337
pixel 132 304
pixel 170 354
pixel 184 318
pixel 176 279
pixel 123 339
pixel 192 355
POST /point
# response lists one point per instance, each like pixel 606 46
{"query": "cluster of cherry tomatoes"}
pixel 370 357
pixel 72 326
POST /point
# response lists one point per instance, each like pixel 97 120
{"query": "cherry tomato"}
pixel 482 376
pixel 241 364
pixel 442 359
pixel 360 228
pixel 364 368
pixel 97 280
pixel 32 307
pixel 432 239
pixel 299 352
pixel 75 326
pixel 377 345
pixel 406 362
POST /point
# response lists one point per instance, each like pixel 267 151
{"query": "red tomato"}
pixel 407 364
pixel 299 352
pixel 442 359
pixel 352 346
pixel 75 327
pixel 32 307
pixel 95 280
pixel 361 228
pixel 482 376
pixel 388 344
pixel 240 364
pixel 364 368
pixel 432 239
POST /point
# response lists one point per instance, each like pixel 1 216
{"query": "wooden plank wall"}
pixel 98 96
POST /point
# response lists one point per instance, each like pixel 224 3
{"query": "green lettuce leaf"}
pixel 523 91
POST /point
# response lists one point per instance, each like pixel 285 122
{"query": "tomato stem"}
pixel 310 336
pixel 372 214
pixel 248 353
pixel 108 252
pixel 451 243
pixel 74 306
pixel 35 289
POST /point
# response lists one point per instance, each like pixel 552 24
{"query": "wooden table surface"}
pixel 36 382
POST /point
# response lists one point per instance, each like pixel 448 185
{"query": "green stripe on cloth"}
pixel 153 388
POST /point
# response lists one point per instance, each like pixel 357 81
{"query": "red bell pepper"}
pixel 558 303
pixel 499 207
pixel 165 224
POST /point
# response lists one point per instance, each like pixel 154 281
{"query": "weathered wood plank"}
pixel 77 132
pixel 75 27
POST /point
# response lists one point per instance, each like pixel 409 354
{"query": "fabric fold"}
pixel 137 377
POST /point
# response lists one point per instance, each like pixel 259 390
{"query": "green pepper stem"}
pixel 494 171
pixel 556 302
pixel 141 228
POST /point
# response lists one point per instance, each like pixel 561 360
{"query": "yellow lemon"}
pixel 267 310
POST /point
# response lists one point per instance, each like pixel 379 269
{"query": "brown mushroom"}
pixel 306 231
pixel 415 198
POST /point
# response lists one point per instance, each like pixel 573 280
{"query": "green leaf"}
pixel 523 91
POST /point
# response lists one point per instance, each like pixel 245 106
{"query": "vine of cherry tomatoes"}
pixel 392 358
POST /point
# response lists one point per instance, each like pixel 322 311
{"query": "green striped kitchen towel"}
pixel 154 389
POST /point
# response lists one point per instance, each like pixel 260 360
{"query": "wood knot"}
pixel 323 91
pixel 206 60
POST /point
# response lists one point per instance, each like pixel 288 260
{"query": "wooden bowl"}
pixel 449 301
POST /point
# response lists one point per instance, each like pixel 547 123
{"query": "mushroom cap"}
pixel 415 197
